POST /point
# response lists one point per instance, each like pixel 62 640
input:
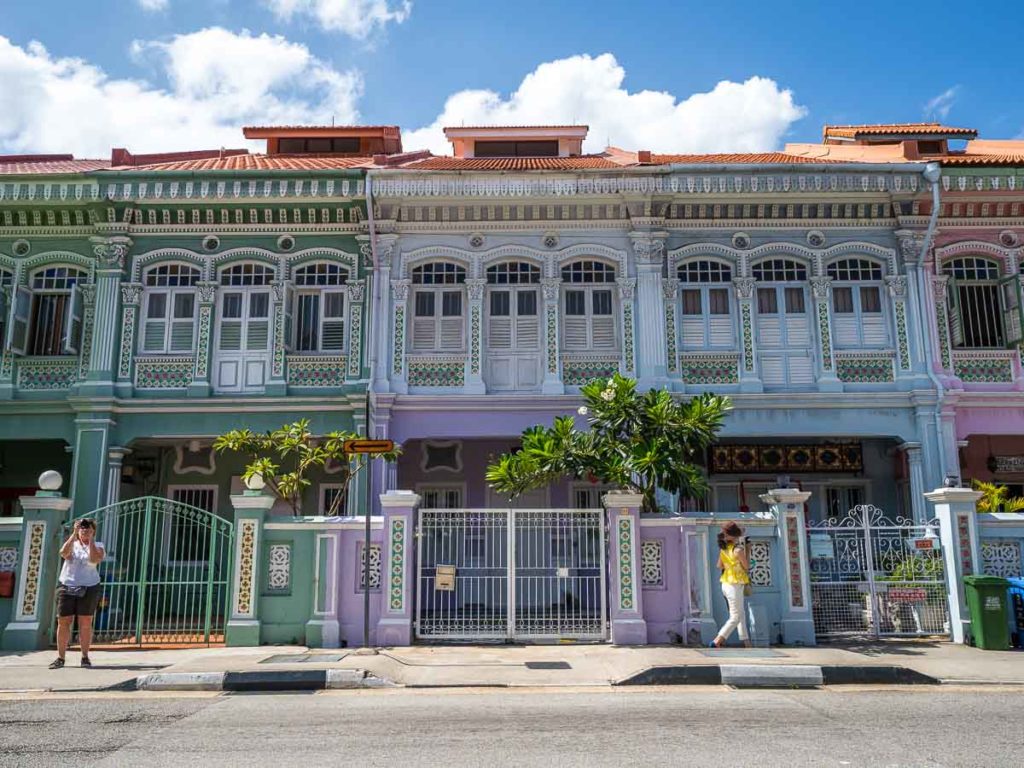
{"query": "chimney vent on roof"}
pixel 643 156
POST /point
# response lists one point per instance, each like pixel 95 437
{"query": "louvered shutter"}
pixel 693 332
pixel 4 314
pixel 257 332
pixel 183 321
pixel 21 308
pixel 1010 297
pixel 956 322
pixel 721 331
pixel 154 324
pixel 451 334
pixel 231 324
pixel 846 330
pixel 289 315
pixel 876 331
pixel 798 330
pixel 574 329
pixel 499 325
pixel 73 322
pixel 603 332
pixel 769 330
pixel 527 328
pixel 801 369
pixel 332 338
pixel 773 370
pixel 424 331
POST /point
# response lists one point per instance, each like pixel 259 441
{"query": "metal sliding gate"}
pixel 166 573
pixel 875 577
pixel 511 574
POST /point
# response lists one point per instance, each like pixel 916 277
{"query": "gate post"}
pixel 395 625
pixel 795 609
pixel 38 560
pixel 958 529
pixel 627 610
pixel 251 507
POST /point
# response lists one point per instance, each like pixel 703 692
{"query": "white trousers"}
pixel 737 614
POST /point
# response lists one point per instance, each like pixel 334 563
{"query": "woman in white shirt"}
pixel 78 591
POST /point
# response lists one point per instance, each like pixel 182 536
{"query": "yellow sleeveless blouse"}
pixel 733 571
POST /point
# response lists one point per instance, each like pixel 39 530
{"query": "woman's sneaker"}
pixel 57 663
pixel 86 662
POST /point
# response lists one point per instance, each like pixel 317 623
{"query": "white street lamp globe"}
pixel 50 480
pixel 255 483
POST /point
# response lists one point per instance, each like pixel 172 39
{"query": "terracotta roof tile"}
pixel 513 163
pixel 1008 160
pixel 510 127
pixel 751 158
pixel 895 129
pixel 263 163
pixel 319 127
pixel 11 165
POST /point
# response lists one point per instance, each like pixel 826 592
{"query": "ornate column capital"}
pixel 400 289
pixel 897 285
pixel 475 288
pixel 111 251
pixel 821 287
pixel 277 286
pixel 744 287
pixel 207 292
pixel 670 289
pixel 649 247
pixel 131 294
pixel 627 288
pixel 940 284
pixel 356 290
pixel 88 293
pixel 550 287
pixel 911 244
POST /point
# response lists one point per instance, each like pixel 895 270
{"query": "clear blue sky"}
pixel 866 61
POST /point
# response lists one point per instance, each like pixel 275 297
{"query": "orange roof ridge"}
pixel 877 129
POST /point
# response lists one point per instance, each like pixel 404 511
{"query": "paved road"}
pixel 659 727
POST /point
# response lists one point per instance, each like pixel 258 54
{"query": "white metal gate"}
pixel 872 576
pixel 511 574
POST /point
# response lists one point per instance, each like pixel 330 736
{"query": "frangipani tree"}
pixel 286 457
pixel 638 442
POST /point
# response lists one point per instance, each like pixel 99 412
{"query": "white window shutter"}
pixel 1010 300
pixel 769 330
pixel 876 330
pixel 604 332
pixel 773 372
pixel 289 313
pixel 17 331
pixel 527 333
pixel 574 329
pixel 693 332
pixel 257 336
pixel 798 330
pixel 424 332
pixel 73 322
pixel 801 369
pixel 332 335
pixel 231 335
pixel 846 330
pixel 451 334
pixel 721 329
pixel 499 333
pixel 956 322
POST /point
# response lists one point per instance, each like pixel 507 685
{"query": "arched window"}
pixel 589 318
pixel 47 317
pixel 246 274
pixel 983 308
pixel 783 324
pixel 170 308
pixel 513 326
pixel 858 312
pixel 318 306
pixel 438 323
pixel 706 305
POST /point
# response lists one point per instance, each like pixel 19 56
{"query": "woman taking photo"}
pixel 734 564
pixel 78 590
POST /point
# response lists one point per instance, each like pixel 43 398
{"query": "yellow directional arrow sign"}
pixel 368 446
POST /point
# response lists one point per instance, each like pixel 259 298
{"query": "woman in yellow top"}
pixel 734 563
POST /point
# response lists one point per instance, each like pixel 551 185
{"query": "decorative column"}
pixel 670 297
pixel 940 288
pixel 399 314
pixel 699 626
pixel 251 508
pixel 380 329
pixel 41 533
pixel 821 288
pixel 200 386
pixel 956 511
pixel 356 343
pixel 920 315
pixel 131 296
pixel 787 504
pixel 627 299
pixel 625 596
pixel 917 506
pixel 749 379
pixel 276 384
pixel 89 469
pixel 395 625
pixel 552 290
pixel 115 463
pixel 652 369
pixel 897 285
pixel 6 356
pixel 88 329
pixel 111 253
pixel 474 377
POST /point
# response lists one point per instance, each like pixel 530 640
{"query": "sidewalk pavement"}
pixel 519 665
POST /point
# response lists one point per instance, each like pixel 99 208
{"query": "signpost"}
pixel 369 448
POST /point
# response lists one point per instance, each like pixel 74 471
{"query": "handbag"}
pixel 73 591
pixel 748 590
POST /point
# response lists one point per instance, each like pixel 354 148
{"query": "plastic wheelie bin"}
pixel 986 601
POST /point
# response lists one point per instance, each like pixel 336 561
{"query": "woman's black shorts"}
pixel 78 605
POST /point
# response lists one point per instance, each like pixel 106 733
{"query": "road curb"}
pixel 265 681
pixel 777 675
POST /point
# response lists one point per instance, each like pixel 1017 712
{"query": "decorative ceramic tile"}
pixel 979 367
pixel 47 373
pixel 796 582
pixel 579 372
pixel 396 561
pixel 625 543
pixel 709 369
pixel 30 593
pixel 163 372
pixel 8 558
pixel 398 351
pixel 246 552
pixel 436 371
pixel 999 557
pixel 903 345
pixel 864 369
pixel 124 365
pixel 748 337
pixel 279 567
pixel 320 371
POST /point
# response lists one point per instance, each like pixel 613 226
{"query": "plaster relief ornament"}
pixel 356 290
pixel 111 252
pixel 897 286
pixel 648 250
pixel 820 287
pixel 550 286
pixel 741 240
pixel 1008 238
pixel 744 287
pixel 131 293
pixel 207 292
pixel 815 238
pixel 476 240
pixel 911 244
pixel 627 287
pixel 475 288
pixel 400 288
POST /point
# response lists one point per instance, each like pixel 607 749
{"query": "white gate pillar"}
pixel 624 593
pixel 795 605
pixel 251 508
pixel 395 625
pixel 958 528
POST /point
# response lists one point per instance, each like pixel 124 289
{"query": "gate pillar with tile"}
pixel 251 508
pixel 33 612
pixel 396 617
pixel 797 623
pixel 628 626
pixel 956 511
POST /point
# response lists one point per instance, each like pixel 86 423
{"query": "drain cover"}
pixel 741 653
pixel 547 665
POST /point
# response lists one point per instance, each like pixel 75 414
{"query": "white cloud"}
pixel 939 106
pixel 356 18
pixel 217 81
pixel 153 5
pixel 732 117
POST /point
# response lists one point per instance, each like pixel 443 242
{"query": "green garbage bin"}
pixel 986 600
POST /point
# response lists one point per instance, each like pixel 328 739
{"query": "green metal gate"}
pixel 165 575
